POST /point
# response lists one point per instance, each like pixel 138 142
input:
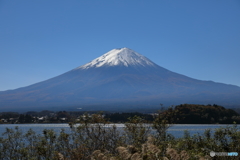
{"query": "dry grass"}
pixel 98 155
pixel 174 155
pixel 60 156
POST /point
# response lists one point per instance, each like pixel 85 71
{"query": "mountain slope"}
pixel 120 76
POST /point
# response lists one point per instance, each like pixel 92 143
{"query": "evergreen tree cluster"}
pixel 201 114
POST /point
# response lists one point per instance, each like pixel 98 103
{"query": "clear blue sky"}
pixel 41 39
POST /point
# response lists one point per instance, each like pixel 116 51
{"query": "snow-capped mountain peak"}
pixel 121 56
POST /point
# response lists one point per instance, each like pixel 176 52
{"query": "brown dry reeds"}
pixel 172 153
pixel 98 155
pixel 124 152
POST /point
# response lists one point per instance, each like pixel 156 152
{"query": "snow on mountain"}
pixel 119 77
pixel 123 56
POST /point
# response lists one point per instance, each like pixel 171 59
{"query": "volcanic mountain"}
pixel 121 76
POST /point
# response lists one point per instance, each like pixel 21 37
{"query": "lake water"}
pixel 176 130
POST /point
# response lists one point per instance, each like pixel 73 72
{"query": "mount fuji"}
pixel 121 77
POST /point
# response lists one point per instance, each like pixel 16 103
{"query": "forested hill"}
pixel 200 114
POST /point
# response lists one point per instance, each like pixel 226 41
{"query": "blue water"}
pixel 176 130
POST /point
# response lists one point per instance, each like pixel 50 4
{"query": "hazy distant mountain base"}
pixel 121 79
pixel 120 107
pixel 88 108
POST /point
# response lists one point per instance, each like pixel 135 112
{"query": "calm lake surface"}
pixel 176 130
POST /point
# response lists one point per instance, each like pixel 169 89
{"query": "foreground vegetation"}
pixel 95 139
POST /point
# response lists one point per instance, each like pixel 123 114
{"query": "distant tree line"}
pixel 180 114
pixel 124 117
